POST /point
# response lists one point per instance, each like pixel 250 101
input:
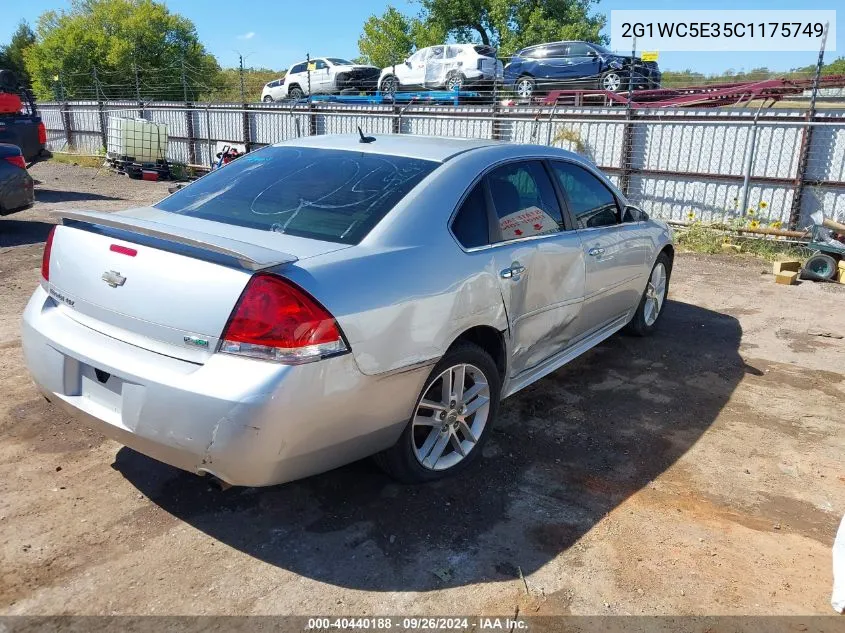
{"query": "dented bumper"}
pixel 246 421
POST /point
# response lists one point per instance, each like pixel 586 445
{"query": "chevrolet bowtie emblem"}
pixel 114 278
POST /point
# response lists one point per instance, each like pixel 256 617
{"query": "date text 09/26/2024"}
pixel 416 623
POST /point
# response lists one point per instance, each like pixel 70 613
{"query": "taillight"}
pixel 17 161
pixel 42 134
pixel 45 258
pixel 276 320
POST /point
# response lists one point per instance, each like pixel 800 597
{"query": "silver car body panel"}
pixel 402 296
pixel 251 256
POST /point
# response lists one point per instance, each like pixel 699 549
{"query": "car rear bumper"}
pixel 246 421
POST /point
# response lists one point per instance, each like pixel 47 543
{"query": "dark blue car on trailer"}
pixel 576 66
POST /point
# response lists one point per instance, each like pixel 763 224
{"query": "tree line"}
pixel 139 49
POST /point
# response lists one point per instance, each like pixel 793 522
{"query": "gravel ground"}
pixel 699 471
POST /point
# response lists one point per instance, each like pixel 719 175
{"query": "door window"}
pixel 470 225
pixel 591 202
pixel 320 64
pixel 524 200
pixel 557 50
pixel 435 53
pixel 578 49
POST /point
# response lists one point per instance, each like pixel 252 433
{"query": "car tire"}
pixel 645 321
pixel 455 81
pixel 295 92
pixel 612 81
pixel 267 99
pixel 389 85
pixel 449 431
pixel 524 87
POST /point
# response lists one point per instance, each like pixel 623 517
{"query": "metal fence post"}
pixel 189 130
pixel 749 161
pixel 66 123
pixel 102 112
pixel 211 156
pixel 246 130
pixel 627 151
pixel 806 142
pixel 312 118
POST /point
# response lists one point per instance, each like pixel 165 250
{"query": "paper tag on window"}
pixel 527 222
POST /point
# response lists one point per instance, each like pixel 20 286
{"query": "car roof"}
pixel 434 148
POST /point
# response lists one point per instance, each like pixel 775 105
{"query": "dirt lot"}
pixel 696 472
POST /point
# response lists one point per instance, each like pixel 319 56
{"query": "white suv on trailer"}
pixel 449 66
pixel 328 75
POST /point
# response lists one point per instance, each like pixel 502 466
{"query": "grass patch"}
pixel 77 159
pixel 701 238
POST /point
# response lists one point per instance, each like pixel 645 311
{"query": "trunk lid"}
pixel 162 281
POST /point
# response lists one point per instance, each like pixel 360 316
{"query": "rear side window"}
pixel 470 225
pixel 298 68
pixel 332 195
pixel 524 200
pixel 592 203
pixel 578 49
pixel 485 51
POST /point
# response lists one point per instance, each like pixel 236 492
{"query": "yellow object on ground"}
pixel 786 278
pixel 792 266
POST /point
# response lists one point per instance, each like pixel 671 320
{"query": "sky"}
pixel 276 33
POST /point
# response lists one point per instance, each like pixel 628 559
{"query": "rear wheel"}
pixel 525 87
pixel 653 300
pixel 455 81
pixel 295 92
pixel 267 99
pixel 451 420
pixel 389 85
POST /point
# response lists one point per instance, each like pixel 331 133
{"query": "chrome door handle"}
pixel 595 252
pixel 513 272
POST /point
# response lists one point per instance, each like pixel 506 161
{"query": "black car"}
pixel 576 65
pixel 17 190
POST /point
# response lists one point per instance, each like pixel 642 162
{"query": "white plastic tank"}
pixel 136 139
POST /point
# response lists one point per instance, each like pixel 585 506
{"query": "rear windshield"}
pixel 486 51
pixel 332 195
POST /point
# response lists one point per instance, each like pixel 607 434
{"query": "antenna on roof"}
pixel 365 139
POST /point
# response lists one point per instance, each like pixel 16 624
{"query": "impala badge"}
pixel 113 278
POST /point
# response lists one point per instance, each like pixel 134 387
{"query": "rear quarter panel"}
pixel 408 290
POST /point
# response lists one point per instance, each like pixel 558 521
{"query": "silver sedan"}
pixel 334 297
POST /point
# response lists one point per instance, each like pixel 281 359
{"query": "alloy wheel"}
pixel 455 82
pixel 611 82
pixel 450 417
pixel 524 88
pixel 389 85
pixel 655 294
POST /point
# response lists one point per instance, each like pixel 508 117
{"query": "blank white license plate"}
pixel 102 388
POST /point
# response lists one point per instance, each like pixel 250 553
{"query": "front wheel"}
pixel 267 99
pixel 451 420
pixel 653 300
pixel 611 81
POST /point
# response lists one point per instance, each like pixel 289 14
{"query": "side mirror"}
pixel 634 214
pixel 408 63
pixel 592 53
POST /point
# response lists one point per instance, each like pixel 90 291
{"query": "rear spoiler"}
pixel 250 256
